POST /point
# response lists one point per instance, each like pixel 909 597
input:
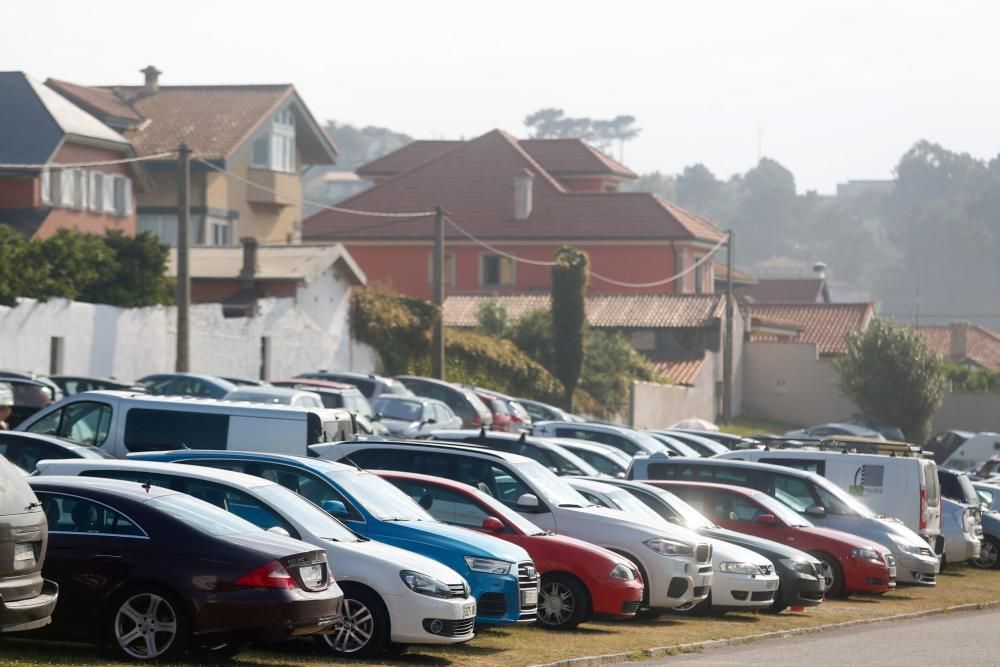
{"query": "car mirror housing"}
pixel 816 510
pixel 528 501
pixel 766 520
pixel 493 524
pixel 334 507
pixel 278 530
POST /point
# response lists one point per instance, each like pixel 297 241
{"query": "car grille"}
pixel 925 551
pixel 527 579
pixel 449 628
pixel 703 553
pixel 766 569
pixel 630 607
pixel 760 596
pixel 492 604
pixel 457 590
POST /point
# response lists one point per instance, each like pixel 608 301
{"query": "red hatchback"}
pixel 850 564
pixel 579 580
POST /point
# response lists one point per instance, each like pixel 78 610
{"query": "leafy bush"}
pixel 963 378
pixel 397 326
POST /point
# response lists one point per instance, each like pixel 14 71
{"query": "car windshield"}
pixel 306 514
pixel 553 490
pixel 682 448
pixel 380 498
pixel 408 411
pixel 202 516
pixel 626 502
pixel 836 499
pixel 690 517
pixel 648 442
pixel 781 510
pixel 358 403
pixel 968 490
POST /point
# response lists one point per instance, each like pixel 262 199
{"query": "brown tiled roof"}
pixel 783 290
pixel 617 311
pixel 824 324
pixel 739 277
pixel 403 159
pixel 983 344
pixel 99 101
pixel 681 371
pixel 473 183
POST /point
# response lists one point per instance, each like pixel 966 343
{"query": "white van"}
pixel 975 451
pixel 120 422
pixel 902 487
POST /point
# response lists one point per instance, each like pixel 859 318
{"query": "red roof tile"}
pixel 681 371
pixel 473 183
pixel 824 324
pixel 783 290
pixel 403 159
pixel 739 277
pixel 100 102
pixel 983 345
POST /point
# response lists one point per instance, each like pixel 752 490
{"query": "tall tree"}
pixel 570 276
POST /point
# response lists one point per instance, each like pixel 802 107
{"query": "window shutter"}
pixel 80 187
pixel 127 185
pixel 94 186
pixel 44 185
pixel 108 193
pixel 66 187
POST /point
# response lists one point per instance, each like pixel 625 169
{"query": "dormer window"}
pixel 275 148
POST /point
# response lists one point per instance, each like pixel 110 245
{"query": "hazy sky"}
pixel 840 89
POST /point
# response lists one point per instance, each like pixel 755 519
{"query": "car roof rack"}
pixel 850 444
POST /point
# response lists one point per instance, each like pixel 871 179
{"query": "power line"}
pixel 81 165
pixel 480 242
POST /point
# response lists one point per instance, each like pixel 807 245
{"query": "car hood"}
pixel 597 521
pixel 898 530
pixel 571 547
pixel 392 559
pixel 725 552
pixel 768 548
pixel 396 425
pixel 453 538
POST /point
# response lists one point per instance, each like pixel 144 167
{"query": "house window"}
pixel 163 227
pixel 496 271
pixel 449 269
pixel 121 191
pixel 66 187
pixel 219 232
pixel 98 203
pixel 45 185
pixel 699 276
pixel 275 149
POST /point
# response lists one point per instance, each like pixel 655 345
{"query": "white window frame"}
pixel 96 186
pixel 278 142
pixel 45 186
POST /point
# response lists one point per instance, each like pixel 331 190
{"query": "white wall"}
pixel 967 411
pixel 655 405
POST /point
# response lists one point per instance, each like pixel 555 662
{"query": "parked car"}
pixel 944 443
pixel 904 487
pixel 154 573
pixel 888 431
pixel 296 398
pixel 26 599
pixel 77 384
pixel 989 496
pixel 606 459
pixel 186 384
pixel 850 564
pixel 578 579
pixel 962 530
pixel 27 398
pixel 539 411
pixel 120 422
pixel 25 450
pixel 413 417
pixel 727 440
pixel 376 509
pixel 823 430
pixel 520 419
pixel 801 575
pixel 369 384
pixel 743 580
pixel 503 418
pixel 553 456
pixel 675 446
pixel 629 441
pixel 702 443
pixel 245 382
pixel 820 501
pixel 973 452
pixel 462 401
pixel 989 552
pixel 340 395
pixel 55 393
pixel 674 562
pixel 390 594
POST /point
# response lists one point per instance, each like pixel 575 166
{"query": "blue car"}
pixel 502 576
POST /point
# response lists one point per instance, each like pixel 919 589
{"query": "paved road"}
pixel 967 638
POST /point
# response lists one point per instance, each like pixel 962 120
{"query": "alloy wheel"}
pixel 827 571
pixel 988 555
pixel 556 603
pixel 355 631
pixel 145 626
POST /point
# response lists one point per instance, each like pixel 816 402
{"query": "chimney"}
pixel 152 84
pixel 249 258
pixel 523 185
pixel 959 347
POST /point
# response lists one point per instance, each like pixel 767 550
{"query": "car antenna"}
pixel 524 436
pixel 482 431
pixel 147 485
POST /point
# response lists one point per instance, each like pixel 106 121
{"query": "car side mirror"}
pixel 766 520
pixel 816 510
pixel 430 420
pixel 493 524
pixel 278 530
pixel 334 507
pixel 377 417
pixel 528 501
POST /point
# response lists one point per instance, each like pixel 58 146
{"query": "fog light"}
pixel 436 626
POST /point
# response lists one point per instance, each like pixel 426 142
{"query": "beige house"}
pixel 264 136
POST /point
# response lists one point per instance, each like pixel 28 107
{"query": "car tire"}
pixel 989 554
pixel 562 602
pixel 364 632
pixel 834 576
pixel 146 624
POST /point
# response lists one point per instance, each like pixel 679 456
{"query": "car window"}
pixel 149 430
pixel 594 499
pixel 239 503
pixel 408 411
pixel 71 514
pixel 787 488
pixel 32 452
pixel 192 387
pixel 85 422
pixel 444 504
pixel 306 484
pixel 158 385
pixel 604 464
pixel 817 466
pixel 733 507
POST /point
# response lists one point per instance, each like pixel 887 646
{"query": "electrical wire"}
pixel 484 244
pixel 81 165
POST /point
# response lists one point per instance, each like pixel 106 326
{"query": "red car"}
pixel 579 580
pixel 503 420
pixel 851 564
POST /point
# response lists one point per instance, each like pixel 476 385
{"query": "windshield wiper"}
pixel 573 505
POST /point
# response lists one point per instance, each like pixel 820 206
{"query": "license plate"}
pixel 529 597
pixel 772 585
pixel 892 573
pixel 23 552
pixel 312 575
pixel 469 610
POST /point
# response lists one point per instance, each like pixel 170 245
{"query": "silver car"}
pixel 414 416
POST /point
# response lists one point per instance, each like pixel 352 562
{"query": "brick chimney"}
pixel 152 84
pixel 523 186
pixel 959 347
pixel 249 270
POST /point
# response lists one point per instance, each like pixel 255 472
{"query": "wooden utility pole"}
pixel 437 267
pixel 183 363
pixel 727 354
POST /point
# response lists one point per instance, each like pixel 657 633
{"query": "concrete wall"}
pixel 788 382
pixel 657 405
pixel 968 411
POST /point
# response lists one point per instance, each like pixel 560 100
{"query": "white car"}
pixel 675 563
pixel 743 578
pixel 413 590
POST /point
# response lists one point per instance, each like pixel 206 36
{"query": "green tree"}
pixel 663 185
pixel 533 334
pixel 19 268
pixel 491 319
pixel 611 365
pixel 892 376
pixel 569 317
pixel 137 275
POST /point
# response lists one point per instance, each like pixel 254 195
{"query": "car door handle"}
pixel 107 557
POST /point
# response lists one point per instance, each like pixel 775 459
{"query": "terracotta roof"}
pixel 824 324
pixel 983 345
pixel 681 371
pixel 403 159
pixel 99 101
pixel 285 262
pixel 473 183
pixel 739 277
pixel 619 311
pixel 784 290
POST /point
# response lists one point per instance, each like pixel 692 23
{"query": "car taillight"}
pixel 923 509
pixel 475 419
pixel 271 575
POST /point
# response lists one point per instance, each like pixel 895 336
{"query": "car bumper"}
pixel 32 613
pixel 421 619
pixel 798 589
pixel 868 577
pixel 741 591
pixel 913 569
pixel 675 583
pixel 615 598
pixel 499 599
pixel 265 614
pixel 961 548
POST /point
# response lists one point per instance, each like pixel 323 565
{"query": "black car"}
pixel 77 384
pixel 153 573
pixel 186 384
pixel 25 449
pixel 800 575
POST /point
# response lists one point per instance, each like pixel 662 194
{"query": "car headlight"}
pixel 866 554
pixel 477 564
pixel 665 547
pixel 739 568
pixel 622 571
pixel 421 583
pixel 800 566
pixel 911 549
